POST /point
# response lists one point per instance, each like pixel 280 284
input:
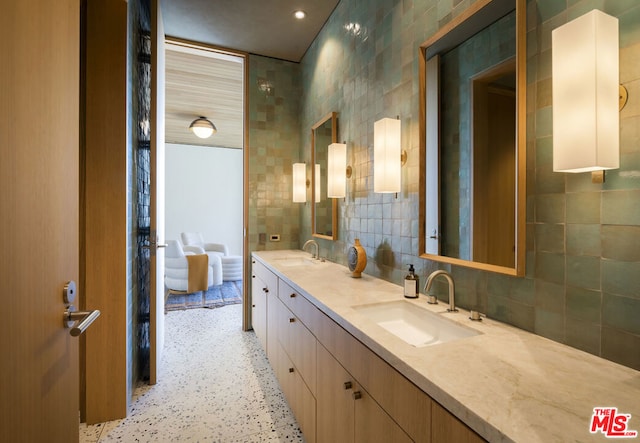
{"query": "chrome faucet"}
pixel 452 287
pixel 312 242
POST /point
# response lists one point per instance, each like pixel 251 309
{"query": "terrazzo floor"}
pixel 215 385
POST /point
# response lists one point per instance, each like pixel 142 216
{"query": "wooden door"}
pixel 156 324
pixel 39 228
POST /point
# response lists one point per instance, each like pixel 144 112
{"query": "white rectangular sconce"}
pixel 299 183
pixel 336 170
pixel 586 121
pixel 318 184
pixel 387 154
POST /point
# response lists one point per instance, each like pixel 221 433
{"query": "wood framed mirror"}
pixel 324 210
pixel 473 139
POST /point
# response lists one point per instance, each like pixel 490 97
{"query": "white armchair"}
pixel 194 242
pixel 177 268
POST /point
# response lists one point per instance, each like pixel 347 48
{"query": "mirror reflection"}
pixel 472 209
pixel 323 210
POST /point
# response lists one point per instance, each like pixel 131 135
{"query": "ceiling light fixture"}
pixel 299 14
pixel 202 127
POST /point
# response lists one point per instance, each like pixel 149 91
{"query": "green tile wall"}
pixel 582 283
pixel 273 145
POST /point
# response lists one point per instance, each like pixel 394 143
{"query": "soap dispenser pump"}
pixel 411 284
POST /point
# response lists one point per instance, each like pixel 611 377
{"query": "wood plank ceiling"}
pixel 211 86
pixel 203 83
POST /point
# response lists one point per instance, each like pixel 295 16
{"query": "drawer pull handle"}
pixel 357 395
pixel 253 276
pixel 348 385
pixel 253 306
pixel 293 295
pixel 290 369
pixel 291 320
pixel 265 290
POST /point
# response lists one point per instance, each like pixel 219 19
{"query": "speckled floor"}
pixel 215 386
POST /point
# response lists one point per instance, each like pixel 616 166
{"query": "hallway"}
pixel 215 385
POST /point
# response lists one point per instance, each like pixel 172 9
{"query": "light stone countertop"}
pixel 506 384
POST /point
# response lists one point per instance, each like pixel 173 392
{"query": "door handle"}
pixel 162 245
pixel 79 321
pixel 153 245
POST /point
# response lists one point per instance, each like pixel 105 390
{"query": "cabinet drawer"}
pixel 299 305
pixel 298 342
pixel 269 279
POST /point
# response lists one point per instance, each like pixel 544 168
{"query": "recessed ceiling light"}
pixel 299 14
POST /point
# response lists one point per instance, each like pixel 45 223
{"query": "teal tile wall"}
pixel 273 145
pixel 582 283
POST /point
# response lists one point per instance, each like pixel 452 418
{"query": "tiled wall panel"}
pixel 274 141
pixel 581 285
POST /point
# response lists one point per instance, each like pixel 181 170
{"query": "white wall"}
pixel 204 194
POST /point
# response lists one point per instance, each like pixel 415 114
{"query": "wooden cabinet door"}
pixel 372 424
pixel 445 427
pixel 272 326
pixel 259 309
pixel 335 412
pixel 305 408
pixel 300 345
pixel 300 399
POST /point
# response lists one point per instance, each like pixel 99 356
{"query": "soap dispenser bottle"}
pixel 411 284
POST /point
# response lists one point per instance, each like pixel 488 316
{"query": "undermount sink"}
pixel 413 324
pixel 297 261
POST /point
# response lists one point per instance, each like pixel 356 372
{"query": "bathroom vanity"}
pixel 358 362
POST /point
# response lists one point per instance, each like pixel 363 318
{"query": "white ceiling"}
pixel 264 27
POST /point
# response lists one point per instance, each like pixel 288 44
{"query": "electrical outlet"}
pixel 274 237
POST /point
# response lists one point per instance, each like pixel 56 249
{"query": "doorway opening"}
pixel 204 177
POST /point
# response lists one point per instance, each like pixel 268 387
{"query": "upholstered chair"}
pixel 193 240
pixel 177 268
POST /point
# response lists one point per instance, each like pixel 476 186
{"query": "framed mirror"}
pixel 324 211
pixel 473 139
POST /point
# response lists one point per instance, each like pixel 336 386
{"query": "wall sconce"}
pixel 318 185
pixel 587 96
pixel 388 156
pixel 337 170
pixel 202 127
pixel 299 183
